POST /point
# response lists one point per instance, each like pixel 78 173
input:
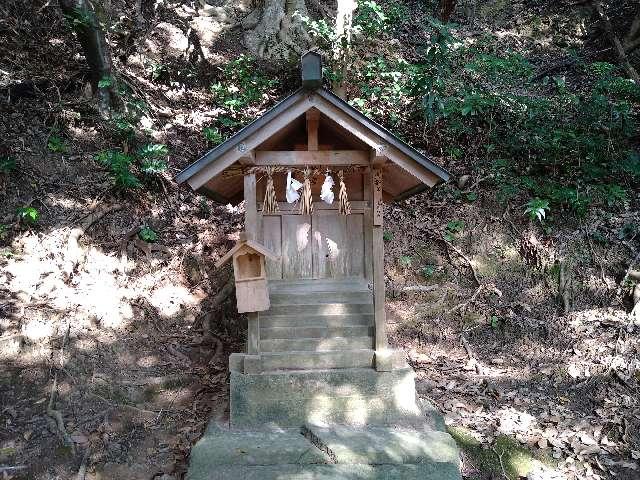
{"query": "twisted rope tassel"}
pixel 270 204
pixel 306 201
pixel 344 207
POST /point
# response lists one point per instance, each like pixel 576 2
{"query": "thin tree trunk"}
pixel 342 51
pixel 446 9
pixel 81 15
pixel 615 41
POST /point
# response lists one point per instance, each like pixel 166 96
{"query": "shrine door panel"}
pixel 338 245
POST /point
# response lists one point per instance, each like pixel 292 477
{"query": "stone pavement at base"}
pixel 342 424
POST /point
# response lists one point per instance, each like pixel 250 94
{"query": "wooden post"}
pixel 377 252
pixel 250 207
pixel 313 119
pixel 251 228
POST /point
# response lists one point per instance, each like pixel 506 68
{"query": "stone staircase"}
pixel 317 324
pixel 311 406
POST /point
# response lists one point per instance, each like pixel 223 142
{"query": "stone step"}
pixel 352 396
pixel 315 331
pixel 324 285
pixel 314 321
pixel 315 344
pixel 338 308
pixel 331 472
pixel 376 445
pixel 319 297
pixel 301 360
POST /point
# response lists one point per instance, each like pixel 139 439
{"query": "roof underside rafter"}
pixel 418 171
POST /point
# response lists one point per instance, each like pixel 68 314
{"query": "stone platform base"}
pixel 312 453
pixel 350 396
pixel 341 424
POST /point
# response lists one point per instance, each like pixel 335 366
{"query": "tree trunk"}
pixel 274 30
pixel 82 18
pixel 446 9
pixel 615 41
pixel 342 49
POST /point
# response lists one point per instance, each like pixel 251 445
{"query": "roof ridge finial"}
pixel 311 70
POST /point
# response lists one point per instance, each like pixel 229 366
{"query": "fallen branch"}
pixel 472 358
pixel 220 297
pixel 82 471
pixel 51 412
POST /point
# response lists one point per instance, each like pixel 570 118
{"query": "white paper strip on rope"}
pixel 326 192
pixel 292 188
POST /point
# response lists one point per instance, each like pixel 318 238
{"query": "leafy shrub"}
pixel 7 164
pixel 453 228
pixel 242 84
pixel 56 144
pixel 213 135
pixel 28 215
pixel 119 166
pixel 152 156
pixel 537 209
pixel 148 235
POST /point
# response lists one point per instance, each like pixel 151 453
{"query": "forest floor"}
pixel 112 358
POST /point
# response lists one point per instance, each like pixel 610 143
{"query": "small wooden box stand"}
pixel 250 273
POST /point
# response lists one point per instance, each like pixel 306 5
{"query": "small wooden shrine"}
pixel 313 173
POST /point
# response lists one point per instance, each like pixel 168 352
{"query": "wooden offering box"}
pixel 250 273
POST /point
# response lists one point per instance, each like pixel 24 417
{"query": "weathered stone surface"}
pixel 333 472
pixel 383 445
pixel 347 396
pixel 219 447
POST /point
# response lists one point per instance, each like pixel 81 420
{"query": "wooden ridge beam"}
pixel 301 158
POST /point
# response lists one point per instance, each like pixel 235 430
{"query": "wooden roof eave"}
pixel 251 244
pixel 343 114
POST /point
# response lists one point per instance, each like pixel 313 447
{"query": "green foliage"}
pixel 453 228
pixel 28 215
pixel 213 135
pixel 56 144
pixel 7 164
pixel 79 19
pixel 387 236
pixel 242 85
pixel 537 209
pixel 511 66
pixel 405 261
pixel 106 82
pixel 4 231
pixel 153 157
pixel 147 234
pixel 428 271
pixel 119 166
pixel 372 19
pixel 153 166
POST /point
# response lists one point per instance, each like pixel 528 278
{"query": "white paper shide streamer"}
pixel 326 193
pixel 293 186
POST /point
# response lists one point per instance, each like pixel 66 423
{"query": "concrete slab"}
pixel 355 396
pixel 220 447
pixel 332 472
pixel 383 445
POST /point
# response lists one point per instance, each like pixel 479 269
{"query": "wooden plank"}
pixel 377 261
pixel 272 239
pixel 251 142
pixel 250 205
pixel 285 208
pixel 379 289
pixel 326 157
pixel 247 159
pixel 355 245
pixel 368 227
pixel 377 201
pixel 296 246
pixel 329 245
pixel 313 119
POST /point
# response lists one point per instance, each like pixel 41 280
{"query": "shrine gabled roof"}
pixel 214 162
